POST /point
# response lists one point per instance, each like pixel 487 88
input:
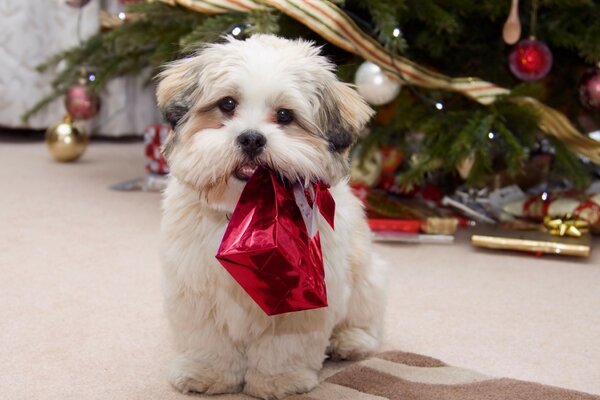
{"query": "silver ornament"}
pixel 374 86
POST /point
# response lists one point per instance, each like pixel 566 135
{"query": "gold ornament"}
pixel 567 226
pixel 66 140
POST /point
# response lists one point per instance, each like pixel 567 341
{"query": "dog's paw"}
pixel 189 376
pixel 352 344
pixel 272 387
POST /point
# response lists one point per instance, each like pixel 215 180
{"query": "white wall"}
pixel 32 30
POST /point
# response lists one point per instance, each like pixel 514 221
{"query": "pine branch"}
pixel 209 30
pixel 266 21
pixel 567 165
pixel 385 17
pixel 40 105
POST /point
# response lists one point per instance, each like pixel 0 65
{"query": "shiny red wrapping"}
pixel 267 248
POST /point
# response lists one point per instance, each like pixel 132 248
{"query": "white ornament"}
pixel 374 86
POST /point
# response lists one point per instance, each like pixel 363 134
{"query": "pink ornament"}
pixel 589 89
pixel 81 102
pixel 530 60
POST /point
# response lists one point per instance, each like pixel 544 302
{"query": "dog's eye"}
pixel 284 116
pixel 227 104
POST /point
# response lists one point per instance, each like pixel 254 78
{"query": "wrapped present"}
pixel 532 241
pixel 585 207
pixel 436 230
pixel 156 180
pixel 442 226
pixel 154 138
pixel 431 225
pixel 411 237
pixel 473 203
pixel 271 246
pixel 387 215
pixel 394 225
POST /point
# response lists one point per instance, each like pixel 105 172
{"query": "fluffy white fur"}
pixel 224 341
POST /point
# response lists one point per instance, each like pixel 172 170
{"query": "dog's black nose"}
pixel 252 142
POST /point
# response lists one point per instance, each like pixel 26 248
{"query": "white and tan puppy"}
pixel 277 103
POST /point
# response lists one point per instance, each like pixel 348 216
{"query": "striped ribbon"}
pixel 331 23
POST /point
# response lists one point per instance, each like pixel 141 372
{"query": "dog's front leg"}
pixel 207 360
pixel 286 359
pixel 215 368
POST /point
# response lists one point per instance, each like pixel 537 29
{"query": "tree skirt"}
pixel 406 376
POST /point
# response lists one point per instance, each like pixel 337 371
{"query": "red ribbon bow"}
pixel 324 200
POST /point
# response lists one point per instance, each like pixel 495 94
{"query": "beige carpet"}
pixel 80 305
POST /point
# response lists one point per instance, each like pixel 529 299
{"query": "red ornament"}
pixel 270 246
pixel 154 138
pixel 391 158
pixel 81 102
pixel 589 89
pixel 530 60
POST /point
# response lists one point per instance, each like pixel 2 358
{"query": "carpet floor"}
pixel 396 375
pixel 80 304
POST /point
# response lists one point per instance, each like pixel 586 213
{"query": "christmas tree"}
pixel 513 99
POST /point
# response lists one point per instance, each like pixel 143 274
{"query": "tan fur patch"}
pixel 201 120
pixel 196 122
pixel 307 136
pixel 179 77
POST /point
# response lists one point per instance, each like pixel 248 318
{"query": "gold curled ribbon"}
pixel 566 226
pixel 331 23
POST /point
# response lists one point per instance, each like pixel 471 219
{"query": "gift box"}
pixel 582 206
pixel 431 225
pixel 154 138
pixel 395 225
pixel 387 213
pixel 532 241
pixel 271 246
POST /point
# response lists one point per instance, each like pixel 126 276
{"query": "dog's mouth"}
pixel 245 171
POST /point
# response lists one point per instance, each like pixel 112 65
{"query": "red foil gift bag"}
pixel 268 247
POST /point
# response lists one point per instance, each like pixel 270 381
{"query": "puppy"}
pixel 277 103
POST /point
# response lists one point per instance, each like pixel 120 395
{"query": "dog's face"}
pixel 264 101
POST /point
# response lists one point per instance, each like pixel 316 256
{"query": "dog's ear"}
pixel 177 82
pixel 343 115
